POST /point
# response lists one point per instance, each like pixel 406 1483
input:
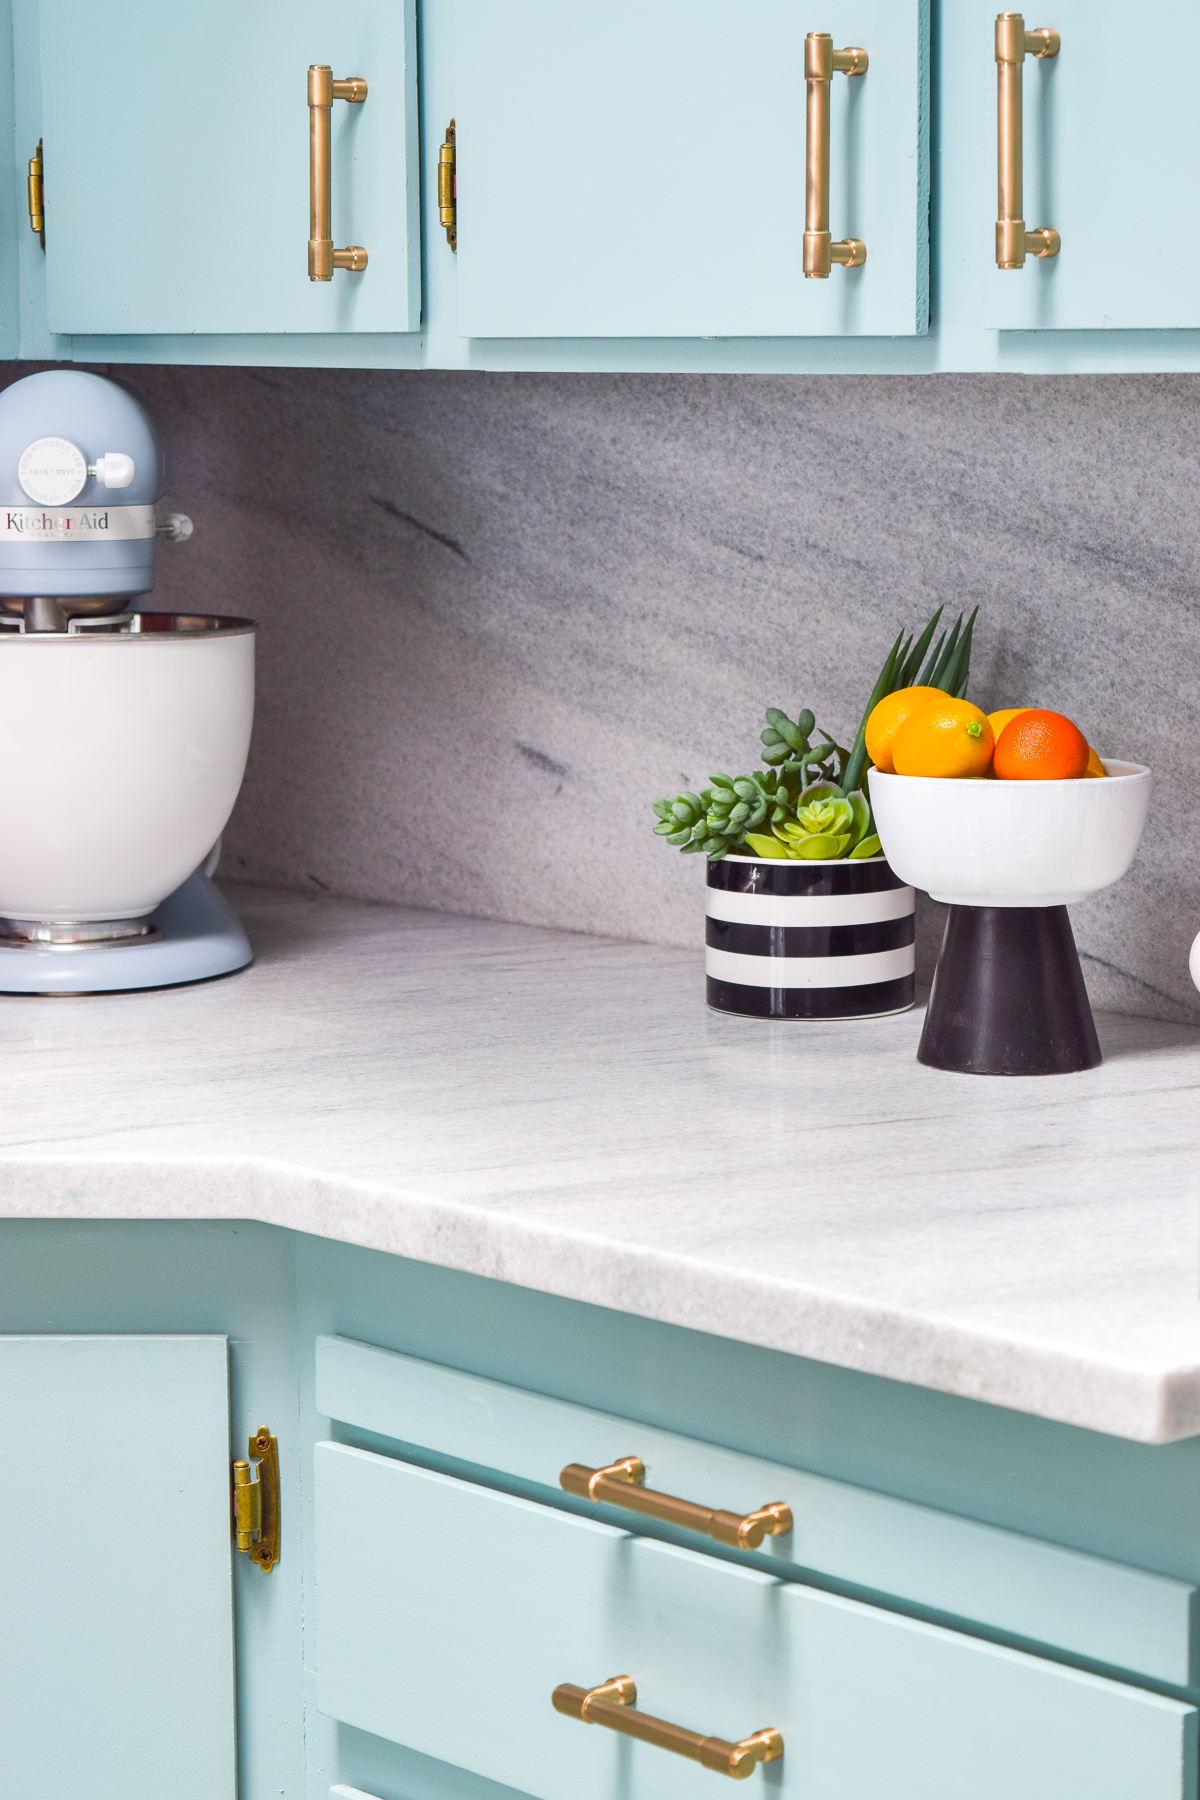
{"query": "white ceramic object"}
pixel 1011 843
pixel 1194 960
pixel 123 756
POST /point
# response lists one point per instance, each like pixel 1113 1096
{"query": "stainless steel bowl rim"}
pixel 183 628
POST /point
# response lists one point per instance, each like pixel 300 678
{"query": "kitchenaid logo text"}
pixel 25 520
pixel 76 524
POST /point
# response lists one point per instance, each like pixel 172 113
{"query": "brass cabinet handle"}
pixel 323 90
pixel 821 63
pixel 620 1484
pixel 1013 45
pixel 613 1702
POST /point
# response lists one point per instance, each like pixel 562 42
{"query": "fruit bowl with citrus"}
pixel 1012 808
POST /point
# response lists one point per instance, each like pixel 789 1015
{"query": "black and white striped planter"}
pixel 808 940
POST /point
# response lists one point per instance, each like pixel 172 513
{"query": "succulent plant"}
pixel 717 820
pixel 827 825
pixel 806 804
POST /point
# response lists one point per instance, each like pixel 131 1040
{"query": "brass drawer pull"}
pixel 821 63
pixel 1013 45
pixel 613 1703
pixel 323 90
pixel 620 1484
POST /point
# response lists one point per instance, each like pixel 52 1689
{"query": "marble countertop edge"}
pixel 1144 1401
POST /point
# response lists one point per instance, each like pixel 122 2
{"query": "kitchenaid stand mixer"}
pixel 124 731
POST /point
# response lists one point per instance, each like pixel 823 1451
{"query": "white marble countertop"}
pixel 564 1112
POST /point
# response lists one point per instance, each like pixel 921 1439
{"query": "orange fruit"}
pixel 1041 746
pixel 952 739
pixel 887 718
pixel 998 720
pixel 1095 766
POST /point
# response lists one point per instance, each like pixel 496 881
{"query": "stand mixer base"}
pixel 1008 996
pixel 196 936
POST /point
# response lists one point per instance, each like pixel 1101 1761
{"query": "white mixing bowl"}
pixel 1011 843
pixel 123 755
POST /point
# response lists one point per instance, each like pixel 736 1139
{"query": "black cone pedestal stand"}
pixel 1008 995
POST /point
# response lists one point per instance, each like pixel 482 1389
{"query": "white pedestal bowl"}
pixel 1011 843
pixel 1008 857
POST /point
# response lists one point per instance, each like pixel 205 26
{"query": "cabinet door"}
pixel 447 1614
pixel 627 170
pixel 1111 145
pixel 177 166
pixel 116 1626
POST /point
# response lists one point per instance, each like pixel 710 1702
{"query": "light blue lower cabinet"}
pixel 1087 1607
pixel 447 1613
pixel 116 1603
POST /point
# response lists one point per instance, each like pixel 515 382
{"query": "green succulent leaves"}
pixel 772 813
pixel 719 819
pixel 827 826
pixel 807 804
pixel 785 737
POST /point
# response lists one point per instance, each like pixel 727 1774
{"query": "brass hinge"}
pixel 256 1501
pixel 37 195
pixel 448 188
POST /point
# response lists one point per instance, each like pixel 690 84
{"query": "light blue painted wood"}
pixel 447 1614
pixel 28 259
pixel 1133 1503
pixel 176 152
pixel 638 171
pixel 1126 1501
pixel 116 1627
pixel 1088 1607
pixel 10 197
pixel 1110 163
pixel 230 1277
pixel 963 211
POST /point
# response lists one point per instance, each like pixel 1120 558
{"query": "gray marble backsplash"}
pixel 502 613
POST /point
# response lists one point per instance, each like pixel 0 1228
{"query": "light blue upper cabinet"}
pixel 633 170
pixel 176 149
pixel 1111 162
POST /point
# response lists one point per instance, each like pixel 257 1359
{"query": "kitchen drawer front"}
pixel 1080 1605
pixel 447 1613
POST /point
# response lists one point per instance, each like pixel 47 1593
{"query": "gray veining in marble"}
pixel 501 613
pixel 564 1113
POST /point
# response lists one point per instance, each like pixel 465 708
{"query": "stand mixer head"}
pixel 80 475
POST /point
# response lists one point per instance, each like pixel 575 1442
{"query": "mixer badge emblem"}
pixel 52 471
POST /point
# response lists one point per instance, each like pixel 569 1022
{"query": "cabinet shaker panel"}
pixel 176 150
pixel 627 170
pixel 1110 155
pixel 116 1652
